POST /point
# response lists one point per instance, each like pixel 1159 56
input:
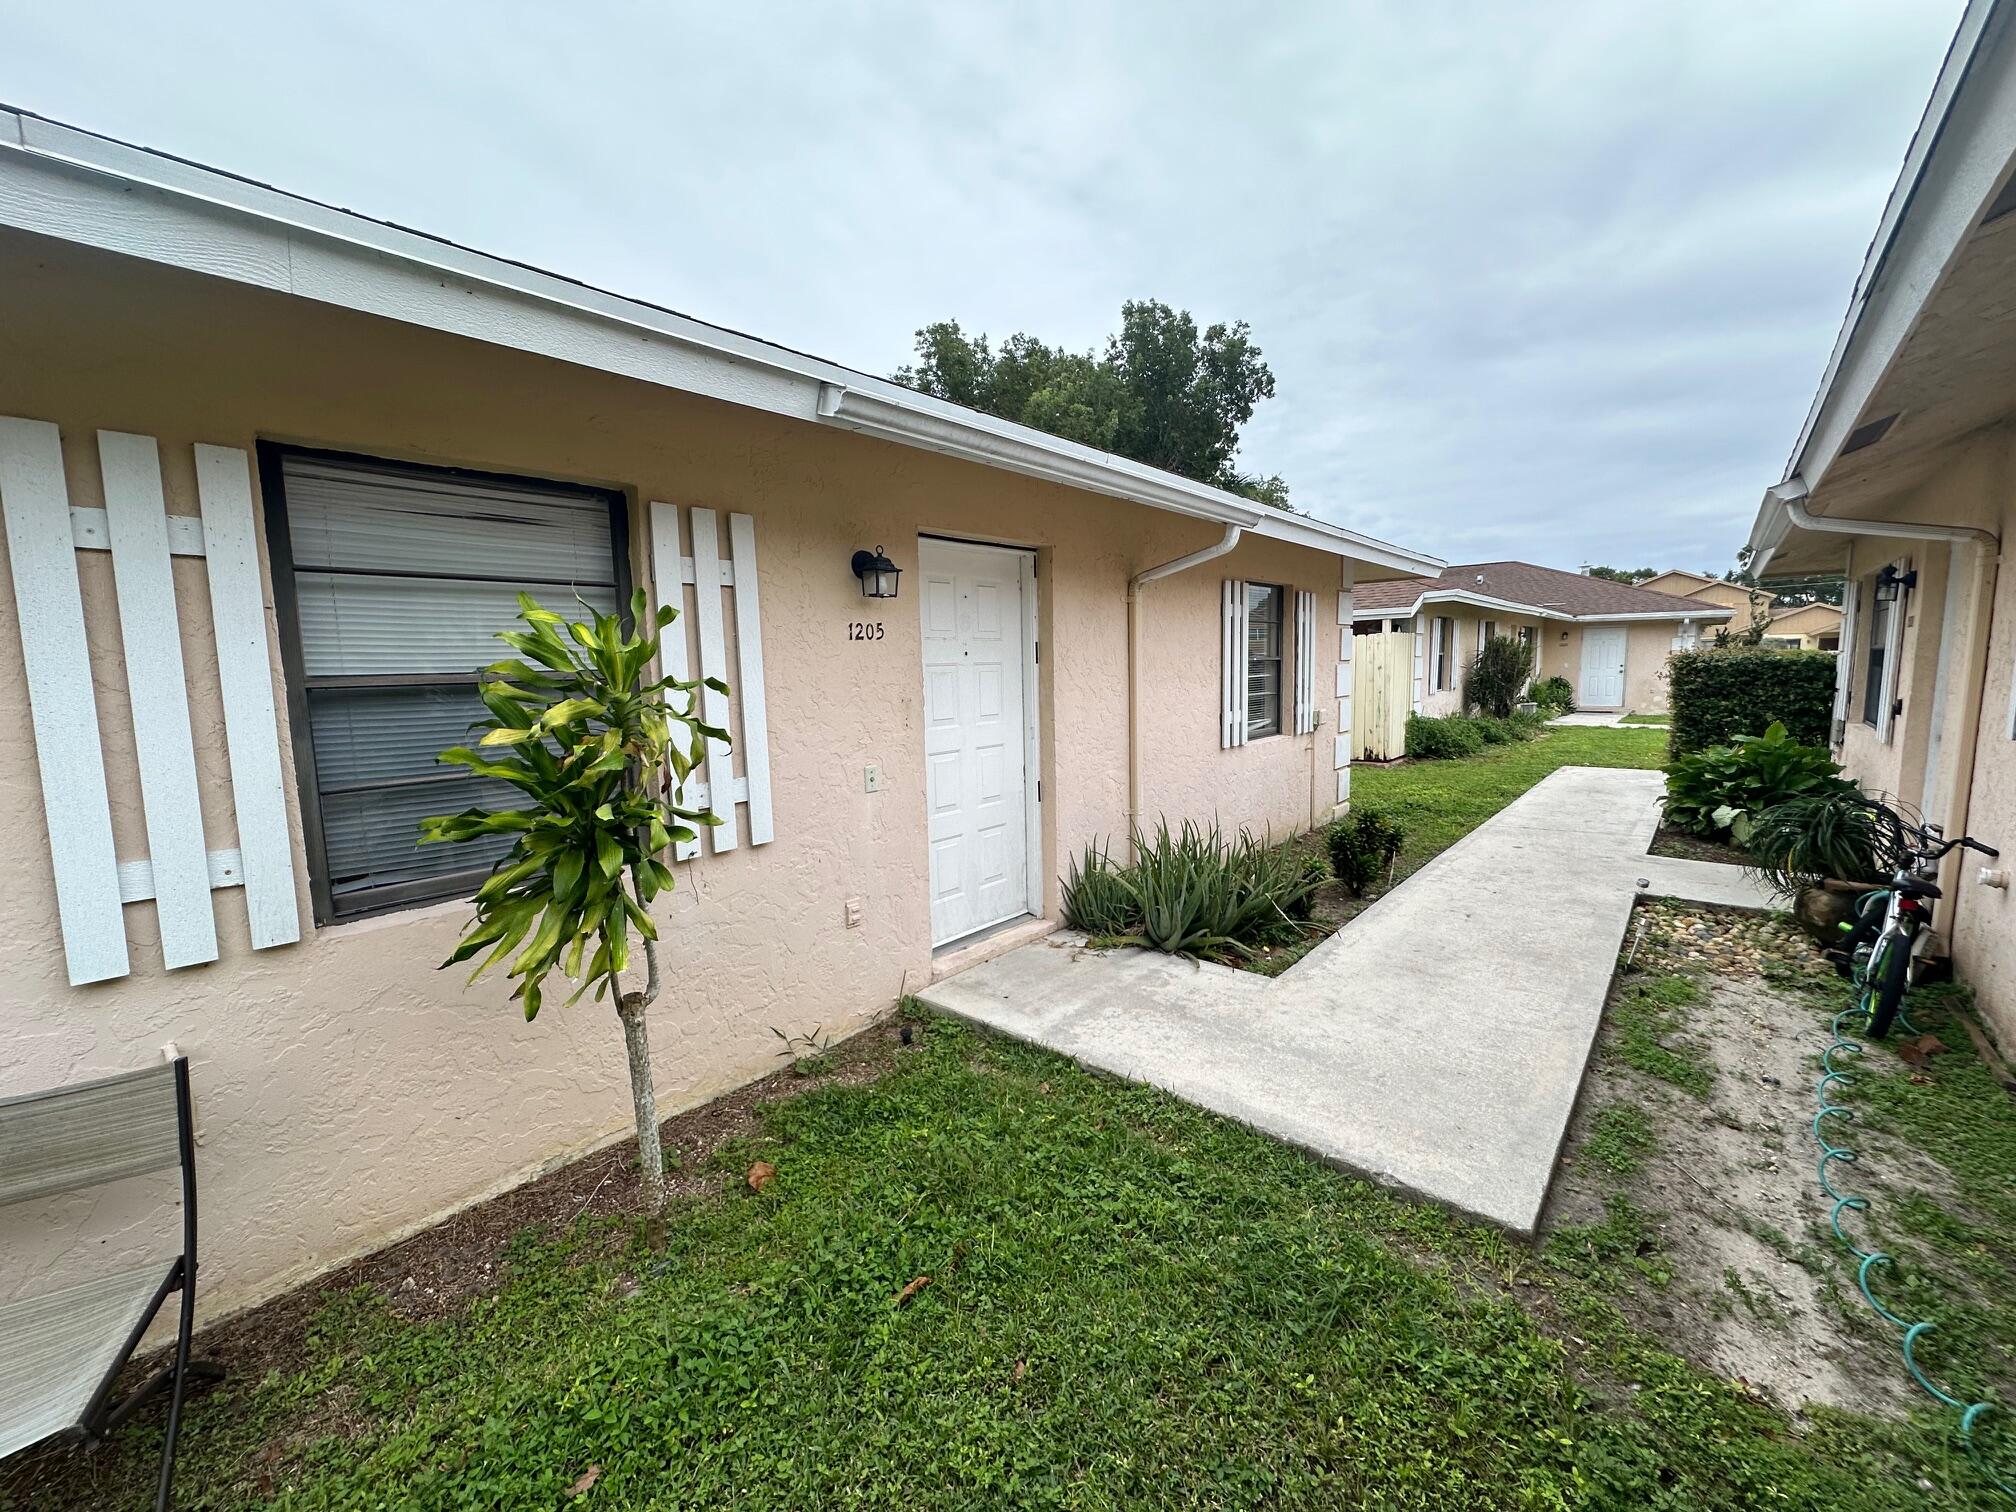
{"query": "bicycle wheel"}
pixel 1889 971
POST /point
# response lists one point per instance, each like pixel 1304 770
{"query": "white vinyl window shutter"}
pixel 1893 648
pixel 692 578
pixel 44 533
pixel 1305 661
pixel 1844 661
pixel 1232 686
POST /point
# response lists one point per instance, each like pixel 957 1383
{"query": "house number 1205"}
pixel 864 630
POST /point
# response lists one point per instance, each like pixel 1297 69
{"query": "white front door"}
pixel 977 606
pixel 1602 668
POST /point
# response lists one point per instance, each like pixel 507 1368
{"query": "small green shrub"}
pixel 1803 841
pixel 1742 690
pixel 1496 674
pixel 1721 790
pixel 1529 723
pixel 1555 693
pixel 1363 846
pixel 1315 871
pixel 1095 899
pixel 1432 739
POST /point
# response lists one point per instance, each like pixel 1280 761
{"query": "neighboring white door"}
pixel 1602 668
pixel 977 607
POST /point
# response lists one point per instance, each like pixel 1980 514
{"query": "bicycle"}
pixel 1890 968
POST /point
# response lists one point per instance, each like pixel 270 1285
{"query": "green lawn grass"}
pixel 1648 719
pixel 1439 802
pixel 1132 1303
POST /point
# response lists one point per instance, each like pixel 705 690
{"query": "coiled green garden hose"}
pixel 1870 1260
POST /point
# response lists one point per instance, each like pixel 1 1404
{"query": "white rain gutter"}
pixel 1790 496
pixel 1134 587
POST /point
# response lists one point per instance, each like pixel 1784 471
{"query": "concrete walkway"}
pixel 1593 719
pixel 1435 1044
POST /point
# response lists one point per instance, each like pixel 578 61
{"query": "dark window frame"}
pixel 1279 659
pixel 390 897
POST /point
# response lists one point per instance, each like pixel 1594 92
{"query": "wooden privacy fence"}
pixel 1384 695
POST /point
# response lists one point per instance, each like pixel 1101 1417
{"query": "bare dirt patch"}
pixel 1723 1165
pixel 1673 842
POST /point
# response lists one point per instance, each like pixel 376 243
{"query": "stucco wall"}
pixel 346 1090
pixel 1972 763
pixel 1984 918
pixel 1469 625
pixel 1648 646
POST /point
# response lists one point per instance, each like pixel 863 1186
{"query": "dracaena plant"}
pixel 598 748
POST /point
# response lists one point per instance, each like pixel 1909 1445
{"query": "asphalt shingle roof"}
pixel 1547 588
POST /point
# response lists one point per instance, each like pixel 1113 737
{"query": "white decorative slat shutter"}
pixel 245 676
pixel 749 660
pixel 713 785
pixel 1844 658
pixel 1305 661
pixel 44 533
pixel 41 552
pixel 1232 686
pixel 136 518
pixel 713 663
pixel 1893 649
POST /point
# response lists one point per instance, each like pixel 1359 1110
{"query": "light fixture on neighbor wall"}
pixel 877 573
pixel 1892 584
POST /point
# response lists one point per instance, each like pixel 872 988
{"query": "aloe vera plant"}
pixel 599 750
pixel 1192 892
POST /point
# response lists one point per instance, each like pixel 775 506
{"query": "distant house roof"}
pixel 1523 588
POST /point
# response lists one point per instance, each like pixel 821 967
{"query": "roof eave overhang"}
pixel 1960 157
pixel 87 189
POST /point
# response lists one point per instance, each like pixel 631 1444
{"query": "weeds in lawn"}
pixel 1620 1138
pixel 1648 1020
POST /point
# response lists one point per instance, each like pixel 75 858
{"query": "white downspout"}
pixel 1134 587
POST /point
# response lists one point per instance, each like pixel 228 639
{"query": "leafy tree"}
pixel 1626 575
pixel 1162 393
pixel 598 751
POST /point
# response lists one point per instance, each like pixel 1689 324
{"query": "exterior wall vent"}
pixel 1867 435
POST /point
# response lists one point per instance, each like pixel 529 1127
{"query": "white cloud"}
pixel 1551 282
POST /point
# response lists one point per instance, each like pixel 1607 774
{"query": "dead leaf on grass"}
pixel 911 1290
pixel 586 1481
pixel 1917 1052
pixel 1021 1369
pixel 761 1175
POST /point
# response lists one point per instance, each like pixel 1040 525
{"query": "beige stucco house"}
pixel 1710 590
pixel 1806 627
pixel 1904 480
pixel 1792 627
pixel 1610 641
pixel 272 474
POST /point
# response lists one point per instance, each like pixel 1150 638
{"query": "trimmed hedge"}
pixel 1743 690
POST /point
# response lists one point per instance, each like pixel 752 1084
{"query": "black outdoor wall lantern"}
pixel 877 573
pixel 1890 583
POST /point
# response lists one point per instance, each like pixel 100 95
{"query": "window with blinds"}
pixel 392 582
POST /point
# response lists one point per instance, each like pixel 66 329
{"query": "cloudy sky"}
pixel 1552 281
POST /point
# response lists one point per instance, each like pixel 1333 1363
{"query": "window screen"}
pixel 1263 659
pixel 394 583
